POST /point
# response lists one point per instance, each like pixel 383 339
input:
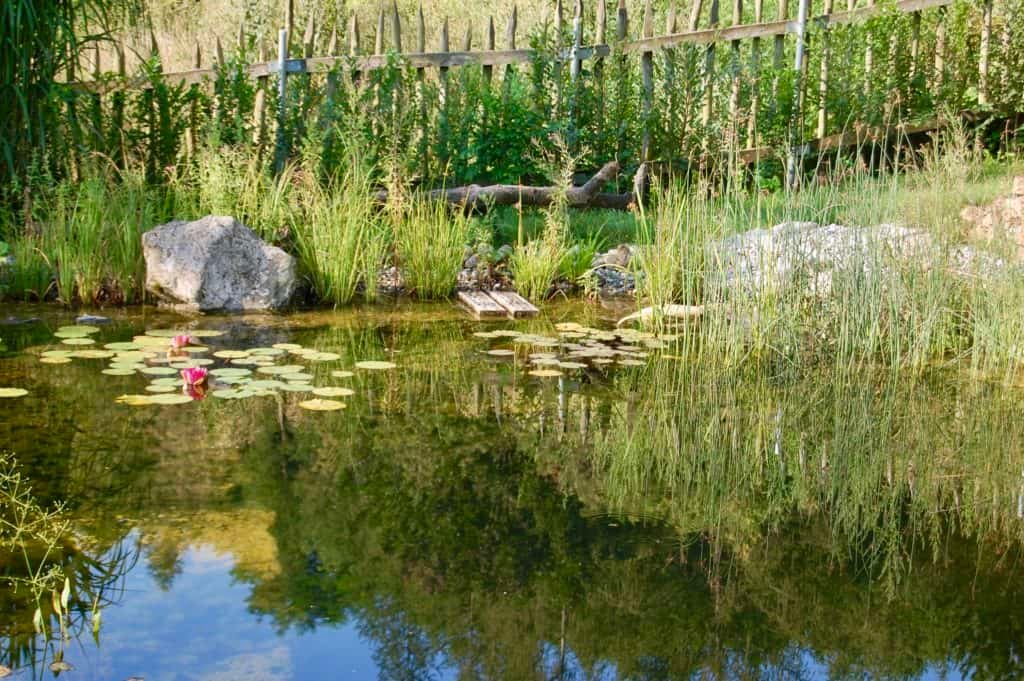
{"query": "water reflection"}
pixel 463 520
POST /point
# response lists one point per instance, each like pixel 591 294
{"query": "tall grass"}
pixel 339 235
pixel 430 240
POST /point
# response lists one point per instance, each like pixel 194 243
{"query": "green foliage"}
pixel 430 240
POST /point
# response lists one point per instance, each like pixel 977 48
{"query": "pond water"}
pixel 462 518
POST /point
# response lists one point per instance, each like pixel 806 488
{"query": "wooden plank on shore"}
pixel 481 305
pixel 517 306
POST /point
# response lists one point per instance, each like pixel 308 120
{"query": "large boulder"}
pixel 807 256
pixel 216 263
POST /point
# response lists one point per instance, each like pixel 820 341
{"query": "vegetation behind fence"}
pixel 750 85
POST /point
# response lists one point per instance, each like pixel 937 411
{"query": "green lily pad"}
pixel 132 366
pixel 118 372
pixel 56 353
pixel 169 398
pixel 92 354
pixel 158 371
pixel 501 352
pixel 546 373
pixel 296 387
pixel 79 340
pixel 297 377
pixel 291 347
pixel 229 371
pixel 123 345
pixel 342 374
pixel 322 356
pixel 275 370
pixel 79 328
pixel 268 352
pixel 13 392
pixel 374 365
pixel 61 359
pixel 134 400
pixel 70 334
pixel 333 391
pixel 231 354
pixel 160 388
pixel 322 405
pixel 166 380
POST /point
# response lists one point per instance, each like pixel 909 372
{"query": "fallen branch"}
pixel 477 198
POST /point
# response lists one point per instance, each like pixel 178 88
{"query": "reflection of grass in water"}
pixel 50 577
pixel 890 464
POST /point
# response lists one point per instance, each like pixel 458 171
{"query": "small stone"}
pixel 92 319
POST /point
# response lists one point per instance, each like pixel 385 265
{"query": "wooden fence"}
pixel 589 41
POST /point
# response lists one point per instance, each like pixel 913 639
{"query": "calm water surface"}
pixel 461 519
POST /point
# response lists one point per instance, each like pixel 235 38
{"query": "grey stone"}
pixel 471 262
pixel 216 263
pixel 808 255
pixel 619 256
pixel 92 319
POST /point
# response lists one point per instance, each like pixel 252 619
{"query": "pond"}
pixel 635 517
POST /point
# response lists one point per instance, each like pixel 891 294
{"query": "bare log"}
pixel 476 197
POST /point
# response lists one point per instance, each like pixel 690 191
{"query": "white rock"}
pixel 216 263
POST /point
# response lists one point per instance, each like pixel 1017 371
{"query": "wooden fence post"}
pixel 396 28
pixel 779 54
pixel 289 22
pixel 669 53
pixel 152 108
pixel 984 52
pixel 938 75
pixel 755 67
pixel 823 77
pixel 96 113
pixel 575 63
pixel 559 46
pixel 281 150
pixel 489 46
pixel 709 68
pixel 734 94
pixel 869 59
pixel 796 123
pixel 647 78
pixel 190 131
pixel 510 40
pixel 260 104
pixel 443 96
pixel 117 107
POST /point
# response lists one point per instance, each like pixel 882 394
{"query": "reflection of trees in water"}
pixel 681 521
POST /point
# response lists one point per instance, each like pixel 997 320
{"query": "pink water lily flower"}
pixel 181 341
pixel 194 375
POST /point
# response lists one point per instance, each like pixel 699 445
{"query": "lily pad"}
pixel 70 334
pixel 296 387
pixel 134 400
pixel 92 354
pixel 322 405
pixel 268 352
pixel 118 372
pixel 501 352
pixel 79 328
pixel 342 374
pixel 158 371
pixel 197 362
pixel 176 398
pixel 275 370
pixel 56 353
pixel 266 385
pixel 291 347
pixel 78 340
pixel 230 371
pixel 13 392
pixel 631 363
pixel 333 391
pixel 231 354
pixel 59 359
pixel 572 365
pixel 166 380
pixel 546 373
pixel 132 366
pixel 298 377
pixel 322 356
pixel 123 345
pixel 374 365
pixel 161 388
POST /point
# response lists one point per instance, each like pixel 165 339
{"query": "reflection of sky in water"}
pixel 201 629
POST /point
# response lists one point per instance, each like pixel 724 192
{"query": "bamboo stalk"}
pixel 939 72
pixel 796 132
